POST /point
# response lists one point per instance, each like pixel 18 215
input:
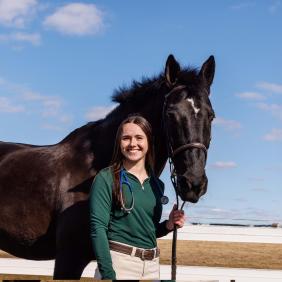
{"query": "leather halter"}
pixel 172 153
pixel 190 146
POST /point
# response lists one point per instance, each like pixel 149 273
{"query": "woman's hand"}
pixel 175 217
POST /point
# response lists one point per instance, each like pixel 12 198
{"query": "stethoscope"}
pixel 124 181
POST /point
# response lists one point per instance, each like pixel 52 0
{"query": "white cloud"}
pixel 250 96
pixel 224 165
pixel 242 5
pixel 256 179
pixel 50 105
pixel 227 124
pixel 16 13
pixel 274 135
pixel 272 87
pixel 6 106
pixel 33 38
pixel 51 127
pixel 274 109
pixel 76 19
pixel 47 107
pixel 32 96
pixel 96 113
pixel 66 119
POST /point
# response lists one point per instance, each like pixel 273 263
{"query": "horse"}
pixel 44 190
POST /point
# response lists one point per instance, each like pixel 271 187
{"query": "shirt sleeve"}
pixel 161 229
pixel 100 208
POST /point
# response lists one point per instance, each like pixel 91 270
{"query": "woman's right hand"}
pixel 176 217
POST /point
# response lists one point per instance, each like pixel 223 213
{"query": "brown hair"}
pixel 118 157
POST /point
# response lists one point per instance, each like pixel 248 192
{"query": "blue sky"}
pixel 62 60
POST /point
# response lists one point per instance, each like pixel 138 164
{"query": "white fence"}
pixel 229 234
pixel 184 273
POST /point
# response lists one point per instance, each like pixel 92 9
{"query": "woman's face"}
pixel 134 143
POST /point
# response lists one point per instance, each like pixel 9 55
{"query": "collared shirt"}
pixel 139 228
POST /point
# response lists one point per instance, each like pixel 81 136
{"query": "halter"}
pixel 173 175
pixel 172 153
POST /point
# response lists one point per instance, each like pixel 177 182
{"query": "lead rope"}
pixel 173 178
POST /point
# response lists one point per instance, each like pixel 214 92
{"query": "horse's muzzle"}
pixel 191 189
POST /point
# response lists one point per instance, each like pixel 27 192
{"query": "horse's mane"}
pixel 138 91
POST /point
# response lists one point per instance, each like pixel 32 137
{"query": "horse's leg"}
pixel 69 264
pixel 73 244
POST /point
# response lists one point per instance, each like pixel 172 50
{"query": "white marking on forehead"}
pixel 191 101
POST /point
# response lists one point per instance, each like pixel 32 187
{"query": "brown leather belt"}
pixel 144 254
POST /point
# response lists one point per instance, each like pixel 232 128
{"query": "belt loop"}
pixel 143 254
pixel 133 252
pixel 155 253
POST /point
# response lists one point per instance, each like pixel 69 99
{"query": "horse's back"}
pixel 9 147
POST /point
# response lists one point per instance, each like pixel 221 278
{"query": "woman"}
pixel 125 208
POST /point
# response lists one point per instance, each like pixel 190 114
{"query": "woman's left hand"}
pixel 176 217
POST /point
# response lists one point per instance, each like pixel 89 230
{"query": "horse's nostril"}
pixel 195 184
pixel 183 182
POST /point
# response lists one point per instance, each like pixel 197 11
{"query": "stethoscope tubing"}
pixel 124 180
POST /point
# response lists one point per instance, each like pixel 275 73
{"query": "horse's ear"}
pixel 207 70
pixel 172 69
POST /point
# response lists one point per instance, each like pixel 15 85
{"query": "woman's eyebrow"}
pixel 129 135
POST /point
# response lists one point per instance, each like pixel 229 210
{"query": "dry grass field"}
pixel 204 253
pixel 224 254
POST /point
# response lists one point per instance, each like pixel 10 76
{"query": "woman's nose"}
pixel 133 142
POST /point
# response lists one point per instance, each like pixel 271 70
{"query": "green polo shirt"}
pixel 139 228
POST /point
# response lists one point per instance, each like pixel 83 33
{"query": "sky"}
pixel 60 62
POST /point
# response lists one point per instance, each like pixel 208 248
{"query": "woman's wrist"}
pixel 169 226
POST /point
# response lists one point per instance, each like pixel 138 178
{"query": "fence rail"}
pixel 229 234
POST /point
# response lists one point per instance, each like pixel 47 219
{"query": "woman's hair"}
pixel 118 157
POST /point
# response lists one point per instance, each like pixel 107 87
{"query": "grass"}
pixel 224 254
pixel 202 253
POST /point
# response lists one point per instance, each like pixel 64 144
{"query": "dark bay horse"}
pixel 44 189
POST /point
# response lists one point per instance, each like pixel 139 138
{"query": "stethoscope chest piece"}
pixel 164 200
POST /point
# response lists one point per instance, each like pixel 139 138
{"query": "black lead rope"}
pixel 173 178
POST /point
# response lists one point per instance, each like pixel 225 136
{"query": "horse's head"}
pixel 188 115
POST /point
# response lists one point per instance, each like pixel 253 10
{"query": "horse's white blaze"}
pixel 191 101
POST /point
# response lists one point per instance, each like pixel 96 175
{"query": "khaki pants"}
pixel 134 268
